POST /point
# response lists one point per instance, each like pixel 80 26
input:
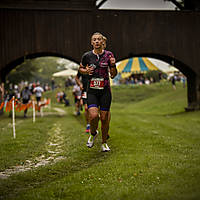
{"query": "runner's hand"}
pixel 81 86
pixel 112 76
pixel 90 70
pixel 112 61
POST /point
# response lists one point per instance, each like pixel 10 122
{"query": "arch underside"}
pixel 165 35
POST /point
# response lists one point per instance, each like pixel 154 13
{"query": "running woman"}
pixel 97 64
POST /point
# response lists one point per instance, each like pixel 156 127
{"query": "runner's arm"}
pixel 83 69
pixel 79 82
pixel 86 69
pixel 113 69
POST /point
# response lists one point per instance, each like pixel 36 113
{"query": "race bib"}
pixel 97 83
pixel 78 97
pixel 84 95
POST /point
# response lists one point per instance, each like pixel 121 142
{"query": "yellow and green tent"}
pixel 136 65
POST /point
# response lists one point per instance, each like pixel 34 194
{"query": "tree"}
pixel 25 71
pixel 37 69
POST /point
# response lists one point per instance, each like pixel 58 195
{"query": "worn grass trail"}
pixel 155 151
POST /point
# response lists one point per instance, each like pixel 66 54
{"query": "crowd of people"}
pixel 140 79
pixel 23 93
pixel 16 89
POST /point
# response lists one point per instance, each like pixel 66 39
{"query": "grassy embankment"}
pixel 155 150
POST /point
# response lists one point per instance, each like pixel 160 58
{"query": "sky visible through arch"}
pixel 138 5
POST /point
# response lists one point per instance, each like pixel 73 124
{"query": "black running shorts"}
pixel 102 99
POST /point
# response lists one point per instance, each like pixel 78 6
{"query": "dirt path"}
pixel 60 111
pixel 53 154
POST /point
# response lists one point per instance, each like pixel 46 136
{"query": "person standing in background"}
pixel 38 90
pixel 77 98
pixel 26 96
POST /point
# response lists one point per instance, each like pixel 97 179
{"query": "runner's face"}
pixel 97 41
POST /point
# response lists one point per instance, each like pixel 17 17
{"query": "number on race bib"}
pixel 97 83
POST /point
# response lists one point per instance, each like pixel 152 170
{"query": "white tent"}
pixel 65 73
pixel 172 69
pixel 67 64
pixel 72 65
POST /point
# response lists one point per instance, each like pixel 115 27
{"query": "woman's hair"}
pixel 104 38
pixel 97 33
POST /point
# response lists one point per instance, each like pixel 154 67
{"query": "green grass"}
pixel 155 150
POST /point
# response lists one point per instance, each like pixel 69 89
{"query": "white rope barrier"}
pixel 33 103
pixel 13 116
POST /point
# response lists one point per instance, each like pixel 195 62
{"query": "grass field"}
pixel 155 151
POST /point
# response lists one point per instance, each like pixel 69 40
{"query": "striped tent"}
pixel 136 65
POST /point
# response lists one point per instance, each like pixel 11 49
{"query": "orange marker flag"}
pixel 1 106
pixel 37 107
pixel 23 107
pixel 29 105
pixel 8 106
pixel 18 107
pixel 48 102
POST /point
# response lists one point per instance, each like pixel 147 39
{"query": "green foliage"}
pixel 25 71
pixel 38 69
pixel 46 67
pixel 153 74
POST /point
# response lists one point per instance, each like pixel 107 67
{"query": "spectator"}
pixel 52 84
pixel 38 90
pixel 77 98
pixel 173 79
pixel 26 96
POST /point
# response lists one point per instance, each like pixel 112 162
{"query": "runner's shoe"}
pixel 105 147
pixel 87 130
pixel 90 142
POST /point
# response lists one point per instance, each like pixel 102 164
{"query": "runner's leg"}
pixel 94 119
pixel 104 115
pixel 93 107
pixel 109 118
pixel 86 113
pixel 105 102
